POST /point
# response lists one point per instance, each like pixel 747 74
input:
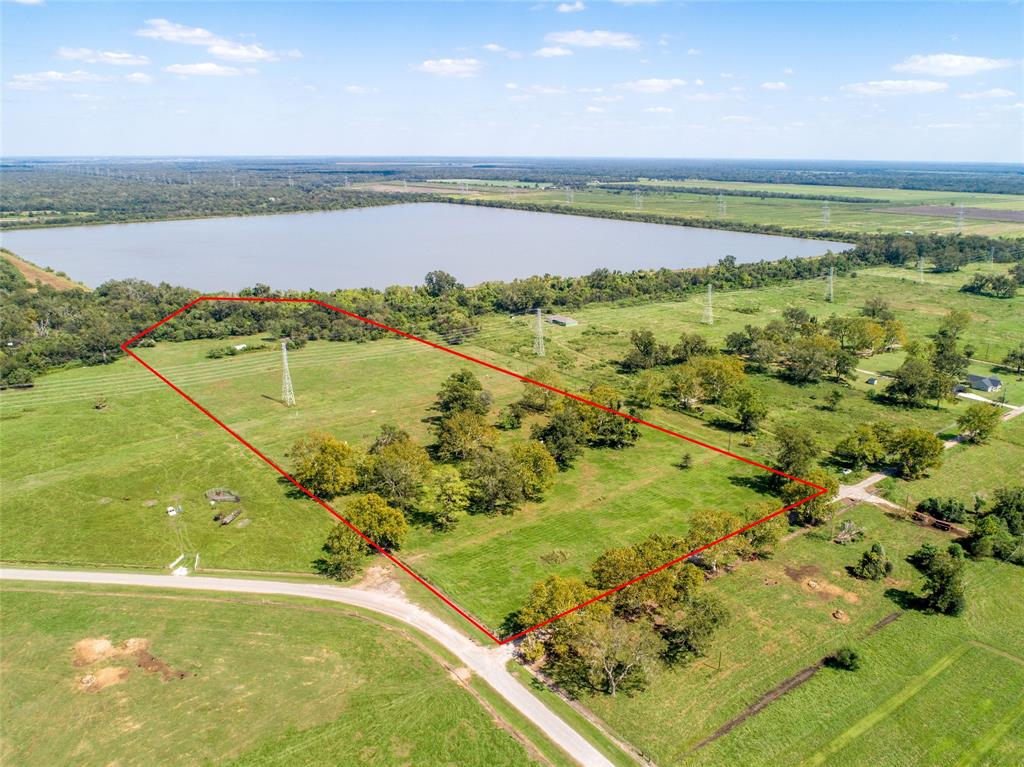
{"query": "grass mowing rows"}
pixel 275 681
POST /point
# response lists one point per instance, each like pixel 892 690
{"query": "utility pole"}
pixel 538 339
pixel 287 392
pixel 709 314
pixel 830 296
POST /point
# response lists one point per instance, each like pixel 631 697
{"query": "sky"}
pixel 816 80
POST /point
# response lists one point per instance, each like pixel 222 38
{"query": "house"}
pixel 240 347
pixel 559 319
pixel 984 383
pixel 872 382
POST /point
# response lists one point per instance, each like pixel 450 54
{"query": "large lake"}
pixel 377 247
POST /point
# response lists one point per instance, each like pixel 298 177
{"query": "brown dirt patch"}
pixel 93 650
pixel 462 675
pixel 150 502
pixel 827 591
pixel 104 677
pixel 802 572
pixel 104 500
pixel 840 616
pixel 34 274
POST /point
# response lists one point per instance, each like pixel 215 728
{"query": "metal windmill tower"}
pixel 538 339
pixel 709 312
pixel 826 214
pixel 721 206
pixel 830 296
pixel 287 392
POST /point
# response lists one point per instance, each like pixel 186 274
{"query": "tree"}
pixel 538 399
pixel 979 421
pixel 991 537
pixel 796 449
pixel 914 382
pixel 389 435
pixel 463 433
pixel 1014 359
pixel 564 436
pixel 719 376
pixel 688 633
pixel 878 309
pixel 382 524
pixel 553 596
pixel 616 654
pixel 446 497
pixel 619 565
pixel 809 358
pixel 832 399
pixel 751 409
pixel 708 526
pixel 864 447
pixel 915 451
pixel 397 472
pixel 949 509
pixel 343 553
pixel 1008 504
pixel 463 392
pixel 845 659
pixel 944 589
pixel 324 465
pixel 763 537
pixel 439 283
pixel 874 564
pixel 646 351
pixel 454 326
pixel 817 510
pixel 684 386
pixel 647 388
pixel 955 322
pixel 535 468
pixel 691 345
pixel 605 429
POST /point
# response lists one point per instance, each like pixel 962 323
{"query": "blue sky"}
pixel 915 81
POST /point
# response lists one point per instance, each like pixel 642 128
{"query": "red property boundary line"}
pixel 125 348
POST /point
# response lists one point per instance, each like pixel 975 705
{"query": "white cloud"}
pixel 787 71
pixel 693 52
pixel 590 90
pixel 571 7
pixel 597 38
pixel 991 93
pixel 660 110
pixel 536 90
pixel 895 87
pixel 359 90
pixel 39 81
pixel 140 78
pixel 206 69
pixel 29 2
pixel 698 82
pixel 216 46
pixel 775 86
pixel 450 67
pixel 89 56
pixel 949 65
pixel 736 119
pixel 607 99
pixel 726 75
pixel 552 51
pixel 653 85
pixel 595 110
pixel 703 96
pixel 494 48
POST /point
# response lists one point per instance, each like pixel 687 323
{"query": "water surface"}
pixel 390 245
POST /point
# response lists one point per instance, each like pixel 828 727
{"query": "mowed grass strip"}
pixel 266 682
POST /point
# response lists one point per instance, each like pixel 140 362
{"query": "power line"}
pixel 538 341
pixel 287 392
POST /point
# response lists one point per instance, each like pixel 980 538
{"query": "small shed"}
pixel 984 383
pixel 872 382
pixel 561 319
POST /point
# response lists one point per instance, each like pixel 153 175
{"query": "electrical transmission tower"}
pixel 826 214
pixel 638 200
pixel 538 339
pixel 287 392
pixel 721 206
pixel 960 219
pixel 920 269
pixel 570 195
pixel 709 313
pixel 830 296
pixel 991 257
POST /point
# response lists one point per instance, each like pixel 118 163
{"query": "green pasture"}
pixel 267 682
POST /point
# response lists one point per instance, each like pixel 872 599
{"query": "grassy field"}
pixel 930 690
pixel 150 449
pixel 790 213
pixel 266 682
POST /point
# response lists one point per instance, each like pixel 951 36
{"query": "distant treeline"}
pixel 712 190
pixel 42 328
